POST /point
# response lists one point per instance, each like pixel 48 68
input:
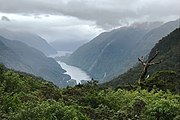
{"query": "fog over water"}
pixel 60 53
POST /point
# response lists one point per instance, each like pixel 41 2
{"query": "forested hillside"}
pixel 26 97
pixel 169 54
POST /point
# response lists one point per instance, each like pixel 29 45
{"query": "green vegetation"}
pixel 25 97
pixel 169 54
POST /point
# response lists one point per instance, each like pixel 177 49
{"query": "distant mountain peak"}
pixel 30 39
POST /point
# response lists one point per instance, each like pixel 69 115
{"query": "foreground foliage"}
pixel 25 97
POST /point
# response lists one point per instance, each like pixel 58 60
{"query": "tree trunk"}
pixel 143 75
pixel 146 65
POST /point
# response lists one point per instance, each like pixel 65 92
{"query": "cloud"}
pixel 53 27
pixel 105 13
pixel 82 19
pixel 4 18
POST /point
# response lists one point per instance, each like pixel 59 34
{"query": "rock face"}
pixel 19 56
pixel 30 39
pixel 112 53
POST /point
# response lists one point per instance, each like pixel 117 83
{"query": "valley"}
pixel 113 53
pixel 89 60
pixel 75 72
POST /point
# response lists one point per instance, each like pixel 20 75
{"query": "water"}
pixel 75 72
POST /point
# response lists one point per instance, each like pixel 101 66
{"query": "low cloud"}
pixel 53 27
pixel 82 19
pixel 105 13
pixel 4 18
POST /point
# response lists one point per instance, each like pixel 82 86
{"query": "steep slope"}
pixel 6 55
pixel 151 38
pixel 112 53
pixel 19 56
pixel 30 39
pixel 169 53
pixel 99 55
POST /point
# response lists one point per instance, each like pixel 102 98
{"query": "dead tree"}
pixel 146 64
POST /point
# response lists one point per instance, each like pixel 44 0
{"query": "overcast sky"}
pixel 82 19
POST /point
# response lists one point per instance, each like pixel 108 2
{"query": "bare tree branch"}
pixel 153 57
pixel 146 65
pixel 153 63
pixel 141 60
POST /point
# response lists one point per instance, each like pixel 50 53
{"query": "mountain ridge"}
pixel 30 39
pixel 19 56
pixel 120 46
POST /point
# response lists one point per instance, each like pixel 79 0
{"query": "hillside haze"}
pixel 66 45
pixel 30 39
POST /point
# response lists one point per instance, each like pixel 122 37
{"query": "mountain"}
pixel 19 56
pixel 112 53
pixel 106 50
pixel 66 45
pixel 30 39
pixel 151 38
pixel 10 58
pixel 169 53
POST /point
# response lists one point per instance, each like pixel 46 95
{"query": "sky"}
pixel 82 19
